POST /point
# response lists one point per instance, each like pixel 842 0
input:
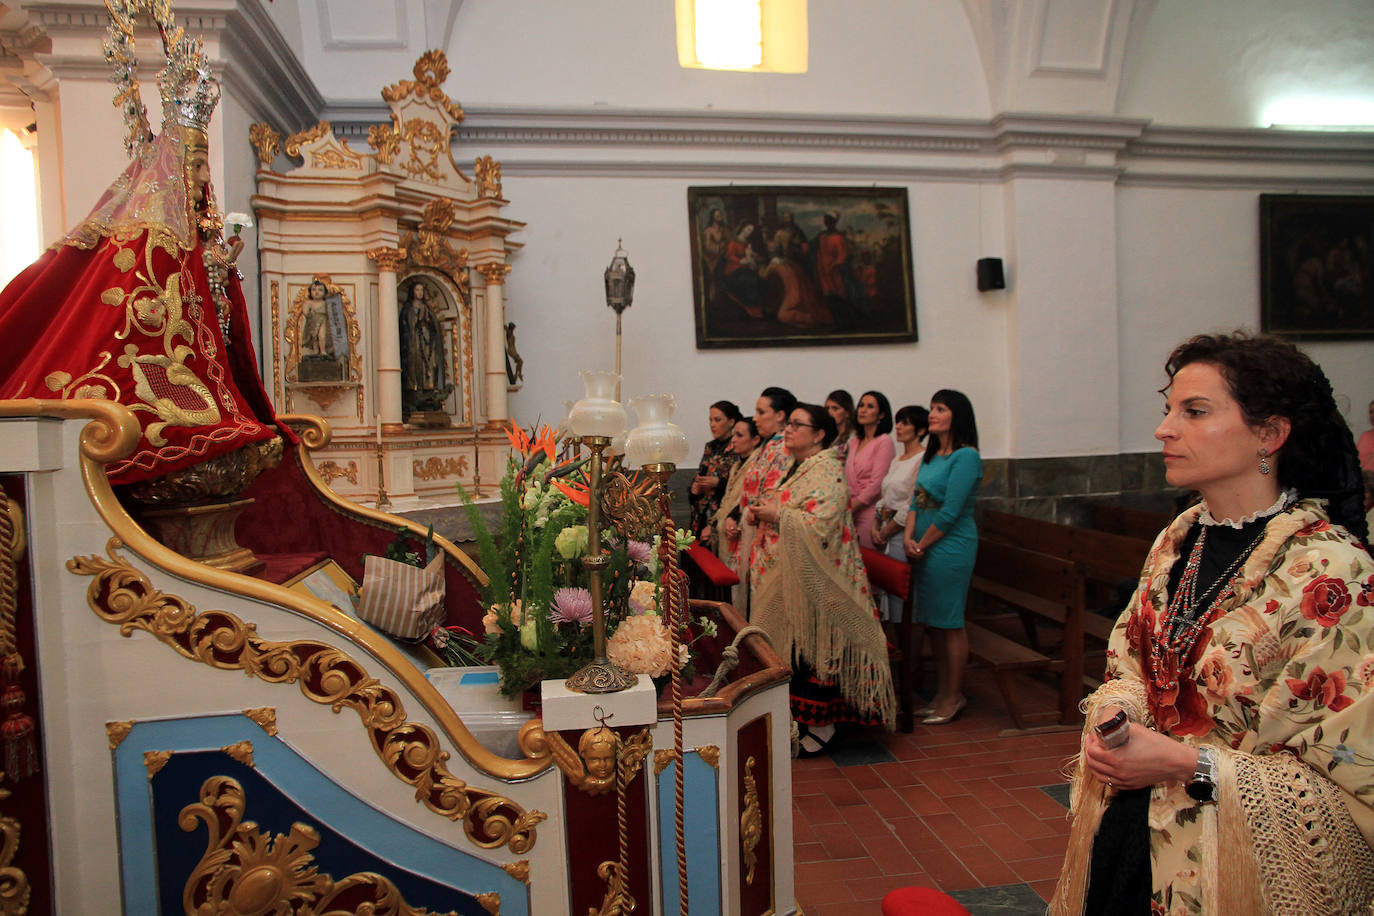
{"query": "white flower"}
pixel 239 221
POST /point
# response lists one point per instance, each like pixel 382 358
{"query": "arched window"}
pixel 764 36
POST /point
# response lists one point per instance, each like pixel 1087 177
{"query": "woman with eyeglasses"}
pixel 810 594
pixel 942 539
pixel 1227 761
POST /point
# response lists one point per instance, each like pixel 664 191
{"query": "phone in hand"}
pixel 1116 731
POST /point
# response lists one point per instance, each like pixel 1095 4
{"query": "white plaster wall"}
pixel 1218 63
pixel 1189 264
pixel 556 299
pixel 866 56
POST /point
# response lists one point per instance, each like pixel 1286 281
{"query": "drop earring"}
pixel 1264 467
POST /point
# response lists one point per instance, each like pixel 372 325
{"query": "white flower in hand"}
pixel 239 221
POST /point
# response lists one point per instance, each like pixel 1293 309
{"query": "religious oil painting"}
pixel 1317 266
pixel 797 266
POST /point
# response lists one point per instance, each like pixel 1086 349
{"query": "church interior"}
pixel 428 219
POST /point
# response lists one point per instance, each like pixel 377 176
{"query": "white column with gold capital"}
pixel 388 349
pixel 495 275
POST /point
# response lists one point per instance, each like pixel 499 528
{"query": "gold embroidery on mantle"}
pixel 265 716
pixel 435 468
pixel 750 822
pixel 116 732
pixel 242 751
pixel 154 761
pixel 14 883
pixel 245 870
pixel 520 871
pixel 122 595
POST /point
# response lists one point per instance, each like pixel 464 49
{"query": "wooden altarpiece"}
pixel 382 275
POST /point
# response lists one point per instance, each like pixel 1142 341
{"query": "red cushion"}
pixel 719 574
pixel 925 901
pixel 892 576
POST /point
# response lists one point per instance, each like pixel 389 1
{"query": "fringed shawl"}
pixel 1282 685
pixel 814 597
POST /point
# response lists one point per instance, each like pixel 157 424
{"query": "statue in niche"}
pixel 324 336
pixel 424 382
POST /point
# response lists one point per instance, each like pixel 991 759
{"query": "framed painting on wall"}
pixel 797 266
pixel 1317 266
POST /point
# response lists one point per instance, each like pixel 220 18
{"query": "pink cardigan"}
pixel 864 470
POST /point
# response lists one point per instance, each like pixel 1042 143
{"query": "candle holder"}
pixel 602 675
pixel 382 501
pixel 476 465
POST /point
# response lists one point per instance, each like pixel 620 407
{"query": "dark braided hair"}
pixel 1269 377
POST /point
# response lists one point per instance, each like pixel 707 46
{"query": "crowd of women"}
pixel 788 497
pixel 1227 761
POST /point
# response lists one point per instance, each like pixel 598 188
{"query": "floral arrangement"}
pixel 538 623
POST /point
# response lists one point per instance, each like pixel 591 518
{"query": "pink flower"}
pixel 572 605
pixel 640 645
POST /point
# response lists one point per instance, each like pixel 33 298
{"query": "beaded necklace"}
pixel 1188 613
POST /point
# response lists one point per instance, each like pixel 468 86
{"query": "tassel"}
pixel 18 733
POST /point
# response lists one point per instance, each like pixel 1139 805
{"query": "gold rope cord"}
pixel 672 580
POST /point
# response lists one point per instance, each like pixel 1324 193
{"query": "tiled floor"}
pixel 953 807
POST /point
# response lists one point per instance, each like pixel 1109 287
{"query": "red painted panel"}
pixel 593 836
pixel 754 740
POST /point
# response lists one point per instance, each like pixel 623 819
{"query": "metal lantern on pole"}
pixel 620 294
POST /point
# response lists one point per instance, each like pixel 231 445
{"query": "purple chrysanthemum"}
pixel 639 552
pixel 572 605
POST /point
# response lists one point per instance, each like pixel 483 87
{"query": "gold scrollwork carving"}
pixel 332 471
pixel 241 751
pixel 435 468
pixel 266 141
pixel 590 767
pixel 520 871
pixel 293 142
pixel 384 139
pixel 429 245
pixel 711 754
pixel 116 732
pixel 120 594
pixel 276 339
pixel 488 172
pixel 154 761
pixel 388 259
pixel 244 870
pixel 430 72
pixel 750 823
pixel 14 884
pixel 494 274
pixel 662 759
pixel 265 716
pixel 491 903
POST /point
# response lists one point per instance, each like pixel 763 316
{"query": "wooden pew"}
pixel 1134 523
pixel 1041 585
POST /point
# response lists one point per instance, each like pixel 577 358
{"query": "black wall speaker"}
pixel 990 274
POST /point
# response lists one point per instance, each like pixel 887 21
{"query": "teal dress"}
pixel 946 487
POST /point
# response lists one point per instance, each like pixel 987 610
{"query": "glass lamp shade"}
pixel 656 440
pixel 598 413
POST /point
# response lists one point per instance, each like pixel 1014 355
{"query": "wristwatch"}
pixel 1203 785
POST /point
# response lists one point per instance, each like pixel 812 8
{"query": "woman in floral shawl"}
pixel 1244 665
pixel 810 594
pixel 762 476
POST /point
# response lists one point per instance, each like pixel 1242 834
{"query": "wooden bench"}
pixel 1038 584
pixel 707 577
pixel 1134 523
pixel 897 578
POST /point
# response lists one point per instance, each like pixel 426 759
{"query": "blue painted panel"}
pixel 701 828
pixel 473 678
pixel 410 856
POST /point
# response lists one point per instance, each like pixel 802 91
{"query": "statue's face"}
pixel 417 292
pixel 199 167
pixel 317 291
pixel 600 759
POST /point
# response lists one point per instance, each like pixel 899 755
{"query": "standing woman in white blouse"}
pixel 890 519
